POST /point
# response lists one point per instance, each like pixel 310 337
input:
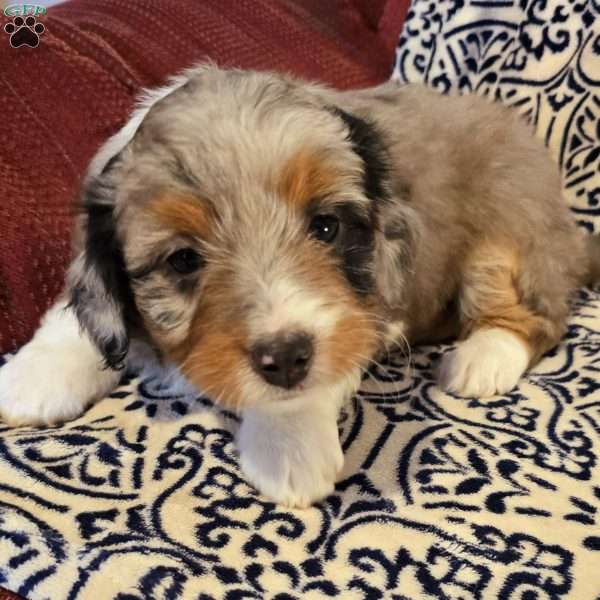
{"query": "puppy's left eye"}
pixel 324 228
pixel 185 261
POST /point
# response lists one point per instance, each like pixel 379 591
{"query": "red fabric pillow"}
pixel 61 100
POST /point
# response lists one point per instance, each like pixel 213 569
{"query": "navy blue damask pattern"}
pixel 541 56
pixel 440 497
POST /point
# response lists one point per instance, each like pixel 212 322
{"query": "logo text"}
pixel 21 10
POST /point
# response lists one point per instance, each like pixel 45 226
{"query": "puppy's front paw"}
pixel 292 461
pixel 46 384
pixel 490 361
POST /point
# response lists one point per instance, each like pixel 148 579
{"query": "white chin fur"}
pixel 490 361
pixel 55 376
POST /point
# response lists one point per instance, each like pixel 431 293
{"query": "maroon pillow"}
pixel 61 100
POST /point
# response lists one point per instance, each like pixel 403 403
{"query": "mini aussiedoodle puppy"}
pixel 269 237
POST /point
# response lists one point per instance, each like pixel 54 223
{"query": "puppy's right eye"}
pixel 185 261
pixel 324 228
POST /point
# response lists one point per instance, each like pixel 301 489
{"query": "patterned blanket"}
pixel 440 497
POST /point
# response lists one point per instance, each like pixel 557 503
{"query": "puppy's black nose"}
pixel 283 361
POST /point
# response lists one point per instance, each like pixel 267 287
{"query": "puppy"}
pixel 269 236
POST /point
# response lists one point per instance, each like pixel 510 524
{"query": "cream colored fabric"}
pixel 441 497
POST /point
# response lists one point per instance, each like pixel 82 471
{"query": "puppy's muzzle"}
pixel 283 360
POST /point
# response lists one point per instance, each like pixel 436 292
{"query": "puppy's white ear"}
pixel 97 280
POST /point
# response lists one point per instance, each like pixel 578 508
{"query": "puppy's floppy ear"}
pixel 97 280
pixel 393 219
pixel 395 240
pixel 367 143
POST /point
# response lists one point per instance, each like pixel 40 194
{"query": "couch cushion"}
pixel 66 96
pixel 383 17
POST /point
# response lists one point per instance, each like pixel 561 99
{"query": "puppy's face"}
pixel 238 229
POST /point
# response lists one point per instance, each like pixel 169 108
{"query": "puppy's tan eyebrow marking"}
pixel 305 177
pixel 182 214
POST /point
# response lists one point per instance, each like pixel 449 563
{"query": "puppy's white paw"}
pixel 45 385
pixel 55 376
pixel 293 460
pixel 490 361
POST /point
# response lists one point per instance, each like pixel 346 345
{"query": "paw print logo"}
pixel 24 32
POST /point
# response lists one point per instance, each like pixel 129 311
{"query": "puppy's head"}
pixel 241 230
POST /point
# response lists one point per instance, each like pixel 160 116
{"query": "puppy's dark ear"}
pixel 368 144
pixel 392 216
pixel 97 280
